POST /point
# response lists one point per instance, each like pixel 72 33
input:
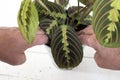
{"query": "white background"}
pixel 40 64
pixel 9 10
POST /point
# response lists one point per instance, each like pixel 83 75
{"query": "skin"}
pixel 108 58
pixel 12 45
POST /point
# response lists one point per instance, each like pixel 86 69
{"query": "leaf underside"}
pixel 28 20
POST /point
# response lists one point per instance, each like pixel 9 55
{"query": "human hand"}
pixel 105 57
pixel 12 45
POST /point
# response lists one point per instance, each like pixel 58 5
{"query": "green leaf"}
pixel 66 47
pixel 62 3
pixel 49 26
pixel 113 15
pixel 111 27
pixel 43 5
pixel 87 2
pixel 83 17
pixel 106 22
pixel 59 15
pixel 55 10
pixel 49 21
pixel 116 4
pixel 53 24
pixel 28 20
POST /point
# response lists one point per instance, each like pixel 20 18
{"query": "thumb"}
pixel 101 62
pixel 87 36
pixel 40 38
pixel 89 40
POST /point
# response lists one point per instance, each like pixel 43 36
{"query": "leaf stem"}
pixel 78 6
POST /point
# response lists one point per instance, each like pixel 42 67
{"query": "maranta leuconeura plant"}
pixel 60 23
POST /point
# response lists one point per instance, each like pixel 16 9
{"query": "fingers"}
pixel 85 34
pixel 89 40
pixel 41 38
pixel 12 45
pixel 15 59
pixel 85 39
pixel 40 31
pixel 87 30
pixel 99 60
pixel 106 62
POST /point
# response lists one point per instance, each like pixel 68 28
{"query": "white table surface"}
pixel 40 66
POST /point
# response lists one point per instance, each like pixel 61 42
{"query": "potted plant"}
pixel 61 24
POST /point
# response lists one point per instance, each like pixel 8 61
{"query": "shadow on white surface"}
pixel 40 66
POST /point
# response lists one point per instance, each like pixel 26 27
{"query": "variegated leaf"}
pixel 49 26
pixel 83 17
pixel 62 3
pixel 51 8
pixel 106 22
pixel 54 7
pixel 28 20
pixel 66 47
pixel 48 21
pixel 87 2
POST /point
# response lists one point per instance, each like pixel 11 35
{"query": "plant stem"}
pixel 78 6
pixel 88 9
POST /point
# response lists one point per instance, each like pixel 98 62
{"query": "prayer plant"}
pixel 61 23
